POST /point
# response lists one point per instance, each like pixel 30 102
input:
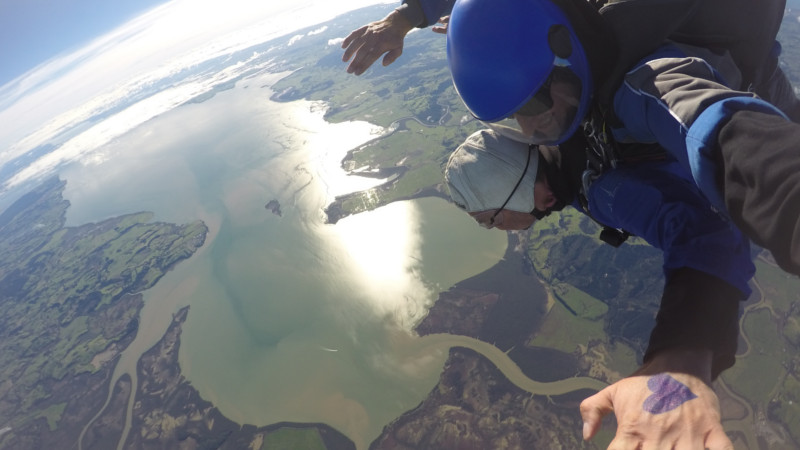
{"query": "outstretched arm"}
pixel 668 402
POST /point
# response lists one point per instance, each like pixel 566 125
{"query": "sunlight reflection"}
pixel 328 145
pixel 384 246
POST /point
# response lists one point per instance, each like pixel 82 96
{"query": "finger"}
pixel 353 34
pixel 391 56
pixel 363 59
pixel 440 30
pixel 351 50
pixel 593 409
pixel 718 440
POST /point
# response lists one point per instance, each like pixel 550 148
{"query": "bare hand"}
pixel 366 44
pixel 658 409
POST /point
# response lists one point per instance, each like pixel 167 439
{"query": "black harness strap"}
pixel 601 154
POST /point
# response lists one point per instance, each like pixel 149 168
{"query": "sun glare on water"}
pixel 384 247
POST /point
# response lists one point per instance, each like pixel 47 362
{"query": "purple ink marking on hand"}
pixel 668 394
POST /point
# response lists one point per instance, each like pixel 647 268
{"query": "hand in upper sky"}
pixel 656 408
pixel 366 44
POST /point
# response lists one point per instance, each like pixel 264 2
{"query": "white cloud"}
pixel 318 30
pixel 335 41
pixel 294 39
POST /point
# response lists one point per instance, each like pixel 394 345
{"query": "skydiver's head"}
pixel 519 66
pixel 498 181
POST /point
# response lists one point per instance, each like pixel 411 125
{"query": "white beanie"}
pixel 482 172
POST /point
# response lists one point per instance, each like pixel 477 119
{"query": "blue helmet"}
pixel 519 59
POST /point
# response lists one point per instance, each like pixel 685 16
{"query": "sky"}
pixel 85 73
pixel 32 31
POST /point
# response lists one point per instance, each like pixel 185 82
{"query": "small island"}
pixel 274 206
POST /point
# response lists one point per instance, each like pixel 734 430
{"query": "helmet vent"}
pixel 559 39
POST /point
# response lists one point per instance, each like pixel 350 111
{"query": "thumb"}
pixel 593 409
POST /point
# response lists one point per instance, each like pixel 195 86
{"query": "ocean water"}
pixel 291 319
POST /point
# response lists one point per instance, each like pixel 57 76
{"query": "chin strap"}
pixel 539 215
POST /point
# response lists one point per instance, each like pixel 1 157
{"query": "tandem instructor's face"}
pixel 550 124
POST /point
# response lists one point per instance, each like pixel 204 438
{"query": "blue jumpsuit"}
pixel 656 202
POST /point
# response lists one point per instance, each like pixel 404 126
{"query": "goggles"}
pixel 549 115
pixel 540 102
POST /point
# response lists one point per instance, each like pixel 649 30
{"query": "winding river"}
pixel 421 345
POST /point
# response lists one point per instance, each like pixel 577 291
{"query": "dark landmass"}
pixel 502 305
pixel 69 303
pixel 521 299
pixel 628 279
pixel 274 206
pixel 106 430
pixel 458 311
pixel 474 407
